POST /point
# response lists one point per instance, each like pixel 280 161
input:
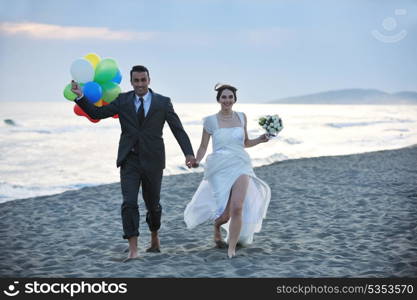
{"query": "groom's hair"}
pixel 138 69
pixel 219 88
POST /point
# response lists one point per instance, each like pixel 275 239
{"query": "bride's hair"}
pixel 220 87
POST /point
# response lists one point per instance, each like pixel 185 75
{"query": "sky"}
pixel 267 49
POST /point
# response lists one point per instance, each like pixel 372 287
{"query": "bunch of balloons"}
pixel 99 80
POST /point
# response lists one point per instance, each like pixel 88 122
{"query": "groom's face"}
pixel 140 82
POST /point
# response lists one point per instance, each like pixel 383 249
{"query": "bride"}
pixel 230 194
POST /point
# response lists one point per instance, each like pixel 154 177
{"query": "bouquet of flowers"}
pixel 272 125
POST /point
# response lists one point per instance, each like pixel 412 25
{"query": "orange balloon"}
pixel 99 103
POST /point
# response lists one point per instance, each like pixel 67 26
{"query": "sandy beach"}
pixel 341 216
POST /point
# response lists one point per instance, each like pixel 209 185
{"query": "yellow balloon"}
pixel 93 59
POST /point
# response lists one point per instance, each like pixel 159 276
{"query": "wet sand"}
pixel 341 216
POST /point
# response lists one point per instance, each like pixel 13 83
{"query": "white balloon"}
pixel 82 70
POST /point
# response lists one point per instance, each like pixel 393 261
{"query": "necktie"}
pixel 141 112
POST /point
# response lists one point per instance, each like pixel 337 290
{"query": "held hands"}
pixel 76 89
pixel 191 162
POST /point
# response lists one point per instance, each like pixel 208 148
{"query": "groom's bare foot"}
pixel 155 244
pixel 133 249
pixel 131 256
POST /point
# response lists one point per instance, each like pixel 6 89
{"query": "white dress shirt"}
pixel 147 99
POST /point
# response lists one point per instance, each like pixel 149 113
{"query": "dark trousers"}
pixel 132 175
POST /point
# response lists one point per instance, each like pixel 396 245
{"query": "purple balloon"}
pixel 92 91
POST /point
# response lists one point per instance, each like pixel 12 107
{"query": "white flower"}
pixel 271 123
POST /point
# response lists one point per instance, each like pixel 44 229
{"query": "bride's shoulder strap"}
pixel 242 117
pixel 209 123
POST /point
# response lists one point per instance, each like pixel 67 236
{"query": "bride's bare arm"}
pixel 253 142
pixel 205 138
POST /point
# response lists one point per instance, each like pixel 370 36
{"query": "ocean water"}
pixel 46 149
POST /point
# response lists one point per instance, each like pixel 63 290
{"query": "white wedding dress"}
pixel 223 166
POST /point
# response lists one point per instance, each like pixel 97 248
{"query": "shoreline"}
pixel 329 216
pixel 202 171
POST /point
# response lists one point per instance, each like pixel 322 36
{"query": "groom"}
pixel 141 155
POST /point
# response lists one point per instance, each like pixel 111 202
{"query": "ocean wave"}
pixel 10 122
pixel 37 147
pixel 10 191
pixel 257 162
pixel 398 129
pixel 292 141
pixel 359 124
pixel 58 130
pixel 192 123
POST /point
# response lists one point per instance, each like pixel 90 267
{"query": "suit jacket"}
pixel 148 137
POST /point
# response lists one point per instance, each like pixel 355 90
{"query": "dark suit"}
pixel 146 163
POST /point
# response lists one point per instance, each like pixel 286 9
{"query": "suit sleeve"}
pixel 99 112
pixel 174 123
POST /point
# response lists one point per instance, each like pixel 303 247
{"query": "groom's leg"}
pixel 151 190
pixel 130 182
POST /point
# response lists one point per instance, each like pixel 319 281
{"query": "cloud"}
pixel 57 32
pixel 274 37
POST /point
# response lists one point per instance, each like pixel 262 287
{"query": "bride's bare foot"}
pixel 218 240
pixel 220 244
pixel 231 253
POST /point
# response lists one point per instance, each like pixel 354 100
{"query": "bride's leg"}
pixel 236 206
pixel 222 219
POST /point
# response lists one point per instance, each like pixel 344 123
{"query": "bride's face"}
pixel 227 99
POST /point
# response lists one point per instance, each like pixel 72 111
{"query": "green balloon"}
pixel 110 91
pixel 68 94
pixel 106 69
